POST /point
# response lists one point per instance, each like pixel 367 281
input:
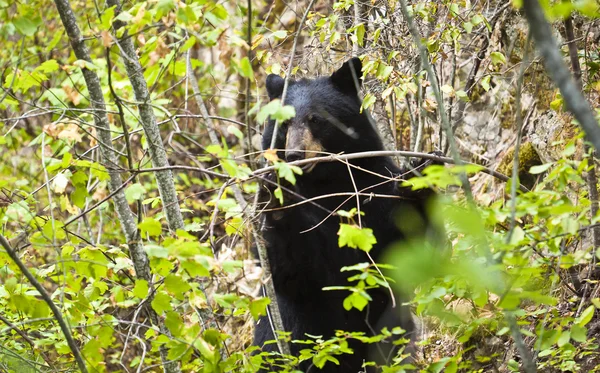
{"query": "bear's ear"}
pixel 274 86
pixel 347 78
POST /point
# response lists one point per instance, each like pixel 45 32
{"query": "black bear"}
pixel 301 240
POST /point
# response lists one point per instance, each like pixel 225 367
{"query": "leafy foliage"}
pixel 533 257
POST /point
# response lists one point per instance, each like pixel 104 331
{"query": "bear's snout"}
pixel 293 155
pixel 295 143
pixel 301 144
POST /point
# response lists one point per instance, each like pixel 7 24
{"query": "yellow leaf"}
pixel 271 155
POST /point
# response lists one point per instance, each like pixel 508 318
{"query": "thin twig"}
pixel 519 124
pixel 344 157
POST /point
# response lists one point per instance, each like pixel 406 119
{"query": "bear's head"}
pixel 328 116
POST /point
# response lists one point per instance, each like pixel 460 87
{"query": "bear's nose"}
pixel 293 155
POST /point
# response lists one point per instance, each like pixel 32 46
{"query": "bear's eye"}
pixel 312 118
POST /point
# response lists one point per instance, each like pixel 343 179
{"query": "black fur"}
pixel 302 263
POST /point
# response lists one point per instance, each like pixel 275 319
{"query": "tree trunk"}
pixel 109 157
pixel 158 155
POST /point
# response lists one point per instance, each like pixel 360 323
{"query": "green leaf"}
pixel 258 307
pixel 578 333
pixel 485 82
pixel 226 300
pixel 384 71
pixel 25 25
pixel 188 44
pixel 497 58
pixel 588 8
pixel 161 302
pixel 79 195
pixel 176 285
pixel 355 237
pixel 164 6
pixel 477 19
pixel 557 104
pixel 156 251
pixel 195 268
pixel 284 113
pixel 319 360
pixel 124 17
pixel 462 95
pixel 54 42
pixel 540 169
pixel 186 15
pixel 54 231
pixel 235 131
pixel 452 367
pixel 151 227
pixel 287 172
pixel 358 300
pixel 518 234
pixel 279 34
pixel 66 160
pixel 569 150
pixel 48 66
pixel 586 316
pixel 79 178
pixel 107 17
pixel 360 34
pixel 207 351
pixel 368 101
pixel 246 68
pixel 278 193
pixel 18 212
pixel 134 192
pixel 468 26
pixel 267 110
pixel 174 323
pixel 140 289
pixel 564 338
pixel 454 9
pixel 546 352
